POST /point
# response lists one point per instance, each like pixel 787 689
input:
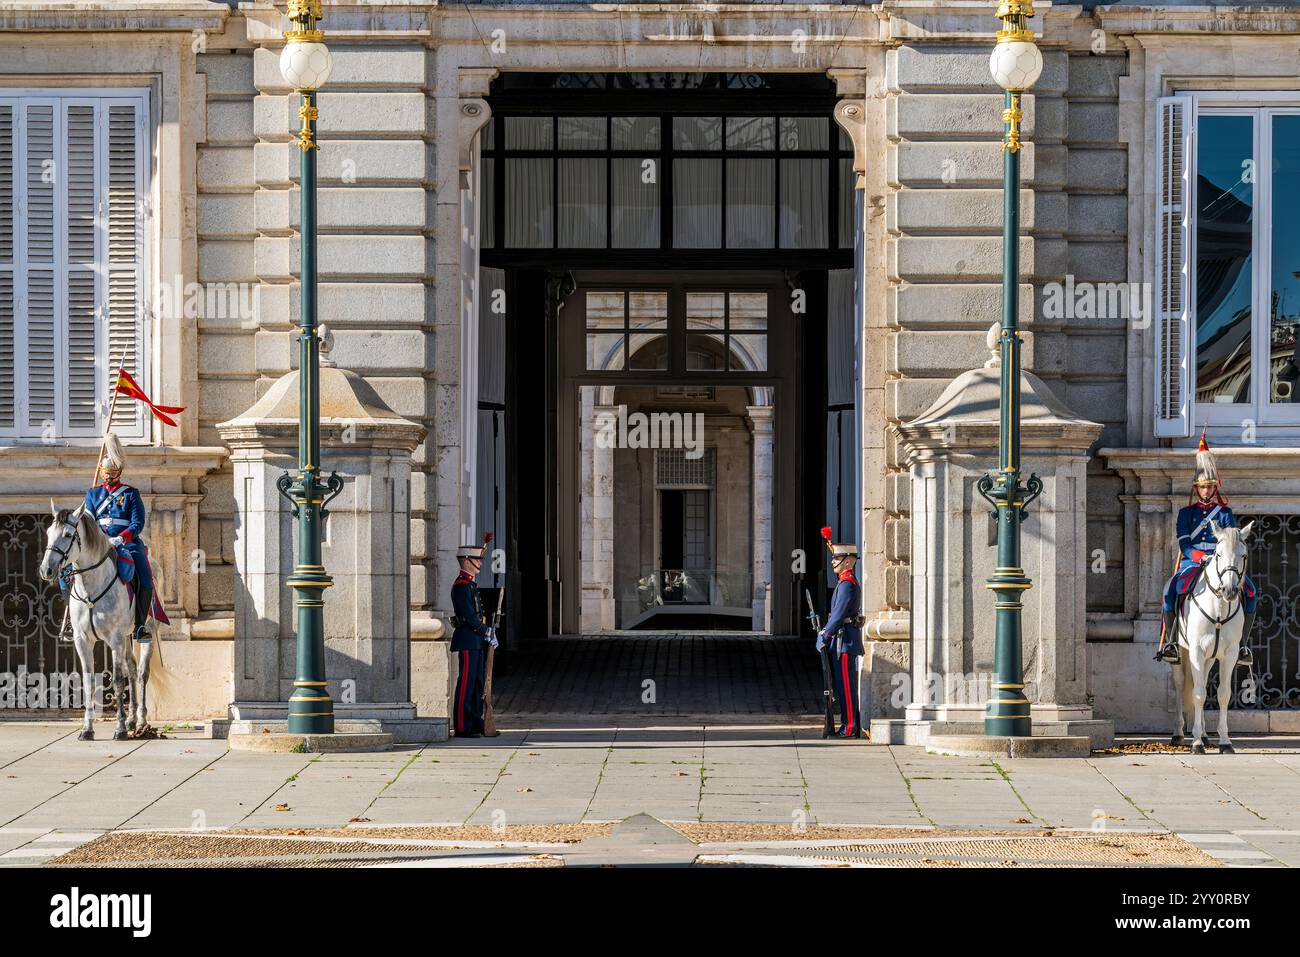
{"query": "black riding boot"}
pixel 1244 657
pixel 1169 650
pixel 143 605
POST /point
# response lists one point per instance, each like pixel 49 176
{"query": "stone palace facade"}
pixel 1163 150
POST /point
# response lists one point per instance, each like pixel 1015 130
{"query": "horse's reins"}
pixel 63 560
pixel 1218 622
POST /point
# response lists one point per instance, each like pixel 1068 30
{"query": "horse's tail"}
pixel 159 676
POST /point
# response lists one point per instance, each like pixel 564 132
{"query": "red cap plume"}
pixel 1204 446
pixel 826 532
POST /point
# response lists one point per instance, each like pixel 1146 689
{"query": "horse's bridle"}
pixel 1231 568
pixel 75 571
pixel 1219 622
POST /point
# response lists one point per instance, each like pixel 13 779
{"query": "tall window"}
pixel 666 182
pixel 73 186
pixel 1228 297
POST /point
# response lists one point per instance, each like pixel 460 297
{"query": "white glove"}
pixel 492 641
pixel 821 641
pixel 117 541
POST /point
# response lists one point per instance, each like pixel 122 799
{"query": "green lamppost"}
pixel 1015 65
pixel 306 64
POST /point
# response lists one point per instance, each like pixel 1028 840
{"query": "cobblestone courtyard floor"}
pixel 552 792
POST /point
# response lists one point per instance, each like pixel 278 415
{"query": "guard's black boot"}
pixel 1244 657
pixel 143 604
pixel 1169 650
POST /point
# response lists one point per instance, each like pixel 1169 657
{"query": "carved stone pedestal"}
pixel 949 448
pixel 366 551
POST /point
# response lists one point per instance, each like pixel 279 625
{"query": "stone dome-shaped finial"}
pixel 993 341
pixel 326 336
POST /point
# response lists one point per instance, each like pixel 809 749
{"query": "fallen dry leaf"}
pixel 521 790
pixel 359 820
pixel 282 807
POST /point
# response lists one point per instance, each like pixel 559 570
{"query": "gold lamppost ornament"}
pixel 305 63
pixel 1015 63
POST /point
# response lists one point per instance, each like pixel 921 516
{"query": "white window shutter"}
pixel 126 192
pixel 73 177
pixel 1175 162
pixel 82 387
pixel 8 307
pixel 39 300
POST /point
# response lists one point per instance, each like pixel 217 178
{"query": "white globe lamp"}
pixel 305 64
pixel 1016 63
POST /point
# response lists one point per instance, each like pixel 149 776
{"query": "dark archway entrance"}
pixel 683 187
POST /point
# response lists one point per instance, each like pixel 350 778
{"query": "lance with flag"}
pixel 119 509
pixel 128 387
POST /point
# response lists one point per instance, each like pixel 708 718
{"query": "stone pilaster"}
pixel 598 599
pixel 761 418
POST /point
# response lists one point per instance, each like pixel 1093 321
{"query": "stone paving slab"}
pixel 54 790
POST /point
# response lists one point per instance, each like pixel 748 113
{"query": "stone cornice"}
pixel 21 462
pixel 136 16
pixel 1177 465
pixel 967 21
pixel 282 434
pixel 650 25
pixel 1198 20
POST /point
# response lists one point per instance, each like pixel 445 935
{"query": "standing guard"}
pixel 843 633
pixel 120 512
pixel 469 641
pixel 1196 543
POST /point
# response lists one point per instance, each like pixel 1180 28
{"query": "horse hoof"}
pixel 1198 748
pixel 1226 749
pixel 1176 739
pixel 120 735
pixel 86 735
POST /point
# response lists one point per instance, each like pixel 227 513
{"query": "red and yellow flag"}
pixel 128 387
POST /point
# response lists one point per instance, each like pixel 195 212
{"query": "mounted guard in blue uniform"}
pixel 470 642
pixel 120 513
pixel 1195 547
pixel 843 634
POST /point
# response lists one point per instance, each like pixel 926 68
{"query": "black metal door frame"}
pixel 782 377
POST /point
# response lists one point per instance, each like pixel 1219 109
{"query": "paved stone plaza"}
pixel 781 780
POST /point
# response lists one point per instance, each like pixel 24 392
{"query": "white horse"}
pixel 101 609
pixel 1209 631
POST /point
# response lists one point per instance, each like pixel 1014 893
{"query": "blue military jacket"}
pixel 846 604
pixel 118 509
pixel 1195 536
pixel 465 605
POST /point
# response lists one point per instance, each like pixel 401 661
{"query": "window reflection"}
pixel 1284 305
pixel 1225 210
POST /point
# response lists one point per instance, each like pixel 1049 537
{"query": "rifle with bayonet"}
pixel 828 693
pixel 489 718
